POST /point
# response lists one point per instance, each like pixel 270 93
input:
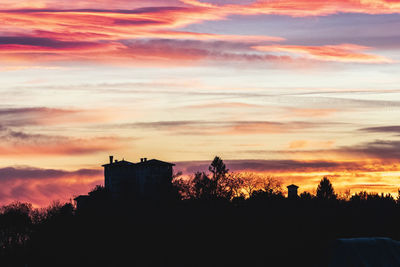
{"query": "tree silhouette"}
pixel 218 171
pixel 325 190
pixel 182 187
pixel 15 225
pixel 251 182
pixel 218 168
pixel 235 182
pixel 201 186
pixel 272 186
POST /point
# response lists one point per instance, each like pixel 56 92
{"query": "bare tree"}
pixel 272 185
pixel 251 182
pixel 236 183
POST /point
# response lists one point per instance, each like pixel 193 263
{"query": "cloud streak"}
pixel 378 149
pixel 384 150
pixel 338 53
pixel 221 128
pixel 282 166
pixel 382 129
pixel 23 144
pixel 31 173
pixel 36 116
pixel 305 8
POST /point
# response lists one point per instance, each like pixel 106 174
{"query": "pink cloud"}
pixel 62 32
pixel 55 31
pixel 27 116
pixel 304 8
pixel 42 186
pixel 339 53
pixel 82 30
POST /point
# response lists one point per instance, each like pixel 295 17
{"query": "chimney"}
pixel 292 191
pixel 141 159
pixel 144 159
pixel 111 159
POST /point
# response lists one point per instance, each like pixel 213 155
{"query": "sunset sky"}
pixel 292 89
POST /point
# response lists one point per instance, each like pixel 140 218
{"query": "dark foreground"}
pixel 266 232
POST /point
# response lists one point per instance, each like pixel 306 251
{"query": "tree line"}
pixel 218 218
pixel 219 183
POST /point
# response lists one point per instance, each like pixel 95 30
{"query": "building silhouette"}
pixel 144 180
pixel 292 191
pixel 148 179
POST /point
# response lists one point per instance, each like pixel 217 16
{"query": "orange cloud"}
pixel 105 24
pixel 216 37
pixel 304 8
pixel 298 144
pixel 310 112
pixel 283 7
pixel 227 105
pixel 175 51
pixel 339 53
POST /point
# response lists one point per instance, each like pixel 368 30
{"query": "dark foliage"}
pixel 325 190
pixel 213 225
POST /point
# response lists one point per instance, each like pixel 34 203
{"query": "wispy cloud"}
pixel 277 166
pixel 221 127
pixel 138 50
pixel 285 7
pixel 27 144
pixel 378 149
pixel 304 8
pixel 339 53
pixel 385 150
pixel 30 116
pixel 382 129
pixel 301 144
pixel 27 173
pixel 310 112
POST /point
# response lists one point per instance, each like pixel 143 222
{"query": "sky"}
pixel 296 90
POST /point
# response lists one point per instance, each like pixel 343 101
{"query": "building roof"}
pixel 292 186
pixel 151 162
pixel 119 163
